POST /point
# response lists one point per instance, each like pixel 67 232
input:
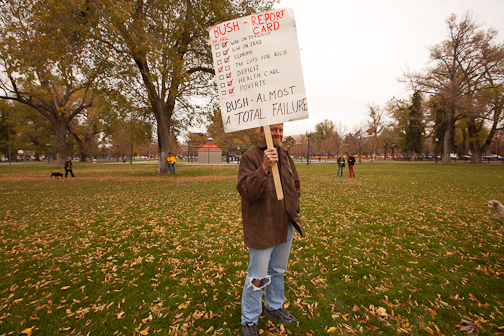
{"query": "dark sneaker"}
pixel 249 329
pixel 281 314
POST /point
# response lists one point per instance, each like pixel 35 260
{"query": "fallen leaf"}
pixel 27 331
pixel 467 325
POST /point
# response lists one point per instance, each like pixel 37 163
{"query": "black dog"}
pixel 56 174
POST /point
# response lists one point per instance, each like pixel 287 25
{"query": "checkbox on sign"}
pixel 224 44
pixel 217 46
pixel 219 62
pixel 221 69
pixel 217 54
pixel 230 82
pixel 225 52
pixel 231 90
pixel 228 75
pixel 227 59
pixel 223 93
pixel 222 85
pixel 227 68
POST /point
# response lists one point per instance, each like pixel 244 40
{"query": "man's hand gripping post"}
pixel 274 168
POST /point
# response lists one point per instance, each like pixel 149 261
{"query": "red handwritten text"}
pixel 226 27
pixel 266 22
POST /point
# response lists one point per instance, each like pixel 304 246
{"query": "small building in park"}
pixel 209 153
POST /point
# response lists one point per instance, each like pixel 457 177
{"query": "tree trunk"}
pixel 82 152
pixel 160 114
pixel 477 145
pixel 88 145
pixel 61 142
pixel 163 142
pixel 450 126
pixel 476 154
pixel 445 158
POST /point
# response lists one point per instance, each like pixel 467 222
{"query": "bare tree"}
pixel 340 135
pixel 465 69
pixel 376 125
pixel 357 140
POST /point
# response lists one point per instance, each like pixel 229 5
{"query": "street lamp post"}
pixel 437 140
pixel 188 151
pixel 308 155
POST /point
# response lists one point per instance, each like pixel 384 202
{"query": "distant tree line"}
pixel 122 78
pixel 456 106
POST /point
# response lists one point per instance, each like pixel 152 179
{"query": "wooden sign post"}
pixel 274 168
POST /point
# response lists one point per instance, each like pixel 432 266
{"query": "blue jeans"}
pixel 340 169
pixel 269 265
pixel 171 166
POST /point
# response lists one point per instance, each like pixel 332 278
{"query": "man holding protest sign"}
pixel 260 83
pixel 268 228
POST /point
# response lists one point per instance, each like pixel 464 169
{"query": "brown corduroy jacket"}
pixel 265 219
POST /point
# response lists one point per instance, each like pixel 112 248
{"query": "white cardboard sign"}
pixel 258 68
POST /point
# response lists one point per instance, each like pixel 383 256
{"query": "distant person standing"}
pixel 351 162
pixel 171 163
pixel 68 168
pixel 341 165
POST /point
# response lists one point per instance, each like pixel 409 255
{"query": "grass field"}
pixel 405 248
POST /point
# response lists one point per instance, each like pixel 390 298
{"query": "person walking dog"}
pixel 69 168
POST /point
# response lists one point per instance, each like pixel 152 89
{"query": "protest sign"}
pixel 258 68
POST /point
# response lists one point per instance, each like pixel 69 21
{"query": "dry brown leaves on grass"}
pixel 119 178
pixel 165 256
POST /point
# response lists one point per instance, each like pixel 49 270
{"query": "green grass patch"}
pixel 405 248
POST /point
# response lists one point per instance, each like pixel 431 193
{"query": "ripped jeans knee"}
pixel 263 283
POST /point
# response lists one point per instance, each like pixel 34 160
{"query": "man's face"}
pixel 276 134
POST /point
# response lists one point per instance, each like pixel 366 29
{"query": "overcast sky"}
pixel 353 52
